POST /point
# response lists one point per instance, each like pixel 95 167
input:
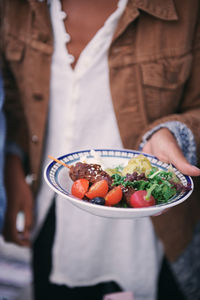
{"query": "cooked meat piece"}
pixel 127 192
pixel 91 172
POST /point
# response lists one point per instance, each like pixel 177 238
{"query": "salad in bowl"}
pixel 117 183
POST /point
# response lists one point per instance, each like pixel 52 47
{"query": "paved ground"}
pixel 15 272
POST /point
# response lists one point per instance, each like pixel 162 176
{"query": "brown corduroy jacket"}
pixel 154 65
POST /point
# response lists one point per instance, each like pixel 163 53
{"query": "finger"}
pixel 161 212
pixel 28 215
pixel 9 231
pixel 147 148
pixel 181 163
pixel 23 241
pixel 176 158
pixel 12 236
pixel 23 233
pixel 187 169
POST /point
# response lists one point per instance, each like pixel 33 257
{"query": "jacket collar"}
pixel 163 9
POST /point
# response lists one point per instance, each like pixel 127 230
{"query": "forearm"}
pixel 14 173
pixel 16 130
pixel 19 199
pixel 14 165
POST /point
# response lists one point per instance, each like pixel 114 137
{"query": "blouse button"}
pixel 34 138
pixel 67 37
pixel 71 58
pixel 63 15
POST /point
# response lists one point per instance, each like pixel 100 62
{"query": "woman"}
pixel 101 74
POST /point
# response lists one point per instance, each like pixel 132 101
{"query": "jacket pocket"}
pixel 14 50
pixel 163 83
pixel 169 73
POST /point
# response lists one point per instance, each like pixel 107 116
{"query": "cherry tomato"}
pixel 138 199
pixel 114 196
pixel 80 187
pixel 98 189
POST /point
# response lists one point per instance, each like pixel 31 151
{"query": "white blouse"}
pixel 90 249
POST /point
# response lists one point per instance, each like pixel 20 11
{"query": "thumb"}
pixel 186 168
pixel 181 163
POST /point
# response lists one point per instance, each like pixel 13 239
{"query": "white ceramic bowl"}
pixel 57 177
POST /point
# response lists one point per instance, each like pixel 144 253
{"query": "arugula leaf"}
pixel 156 183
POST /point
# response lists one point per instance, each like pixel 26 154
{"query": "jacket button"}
pixel 38 97
pixel 34 138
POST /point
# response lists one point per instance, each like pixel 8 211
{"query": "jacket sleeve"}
pixel 170 226
pixel 15 120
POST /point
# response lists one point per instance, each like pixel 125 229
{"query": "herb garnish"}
pixel 158 183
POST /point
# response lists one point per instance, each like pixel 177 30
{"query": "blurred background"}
pixel 15 272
